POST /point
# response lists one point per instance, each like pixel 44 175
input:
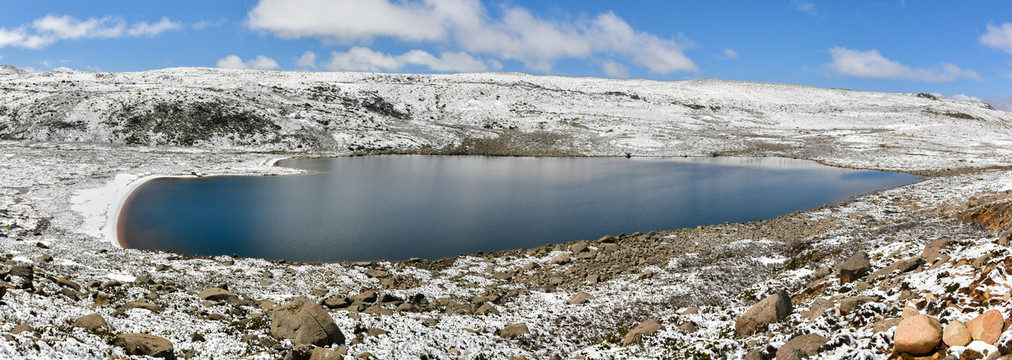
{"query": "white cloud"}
pixel 805 6
pixel 203 24
pixel 145 29
pixel 363 59
pixel 964 97
pixel 1003 103
pixel 871 64
pixel 727 54
pixel 51 28
pixel 614 69
pixel 64 69
pixel 517 34
pixel 235 62
pixel 998 37
pixel 307 60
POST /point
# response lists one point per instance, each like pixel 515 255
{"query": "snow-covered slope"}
pixel 343 112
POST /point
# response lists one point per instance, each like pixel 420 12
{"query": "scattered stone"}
pixel 44 258
pixel 144 344
pixel 770 310
pixel 854 267
pixel 320 291
pixel 885 325
pixel 956 334
pixel 918 335
pixel 902 265
pixel 580 298
pixel 646 327
pixel 986 327
pixel 691 310
pixel 320 353
pixel 514 330
pixel 979 262
pixel 485 309
pixel 65 282
pixel 649 274
pixel 560 259
pixel 91 322
pixel 144 305
pixel 909 311
pixel 376 273
pixel 217 294
pixel 368 296
pixel 578 247
pixel 688 326
pixel 305 322
pixel 850 304
pixel 933 250
pixel 378 310
pixel 809 344
pixel 23 271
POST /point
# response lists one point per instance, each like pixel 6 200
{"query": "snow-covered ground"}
pixel 75 144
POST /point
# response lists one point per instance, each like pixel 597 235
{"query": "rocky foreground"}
pixel 919 271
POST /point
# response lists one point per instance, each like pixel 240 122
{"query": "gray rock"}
pixel 854 267
pixel 902 265
pixel 560 259
pixel 91 322
pixel 144 305
pixel 514 330
pixel 328 354
pixel 369 296
pixel 24 271
pixel 770 310
pixel 305 322
pixel 144 344
pixel 646 327
pixel 217 294
pixel 580 298
pixel 809 344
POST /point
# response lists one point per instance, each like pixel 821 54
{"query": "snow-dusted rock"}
pixel 91 322
pixel 305 322
pixel 647 327
pixel 770 310
pixel 145 344
pixel 810 344
pixel 217 294
pixel 514 330
pixel 854 267
pixel 580 298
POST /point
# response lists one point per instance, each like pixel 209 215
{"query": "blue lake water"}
pixel 399 206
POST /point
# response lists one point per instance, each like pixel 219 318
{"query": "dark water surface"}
pixel 398 207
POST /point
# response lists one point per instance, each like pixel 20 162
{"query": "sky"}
pixel 957 49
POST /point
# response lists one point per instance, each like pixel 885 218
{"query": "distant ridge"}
pixel 11 70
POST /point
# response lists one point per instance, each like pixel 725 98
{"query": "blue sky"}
pixel 952 48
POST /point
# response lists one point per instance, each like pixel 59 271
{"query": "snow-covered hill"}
pixel 345 112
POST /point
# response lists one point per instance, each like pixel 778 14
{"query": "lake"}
pixel 402 206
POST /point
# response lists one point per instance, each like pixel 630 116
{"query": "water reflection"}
pixel 397 207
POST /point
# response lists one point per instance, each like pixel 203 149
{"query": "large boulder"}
pixel 854 267
pixel 956 334
pixel 305 322
pixel 144 344
pixel 770 310
pixel 917 335
pixel 646 327
pixel 933 250
pixel 91 322
pixel 987 327
pixel 810 344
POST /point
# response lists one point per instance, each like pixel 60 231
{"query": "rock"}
pixel 810 344
pixel 65 282
pixel 649 274
pixel 328 354
pixel 902 265
pixel 979 262
pixel 689 311
pixel 336 302
pixel 305 322
pixel 44 258
pixel 514 330
pixel 486 309
pixel 378 310
pixel 770 310
pixel 646 327
pixel 853 303
pixel 918 335
pixel 854 267
pixel 144 344
pixel 580 298
pixel 933 250
pixel 22 328
pixel 368 296
pixel 909 311
pixel 217 294
pixel 578 247
pixel 144 305
pixel 375 331
pixel 320 291
pixel 24 271
pixel 560 259
pixel 885 325
pixel 376 273
pixel 688 326
pixel 986 327
pixel 91 322
pixel 819 307
pixel 956 334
